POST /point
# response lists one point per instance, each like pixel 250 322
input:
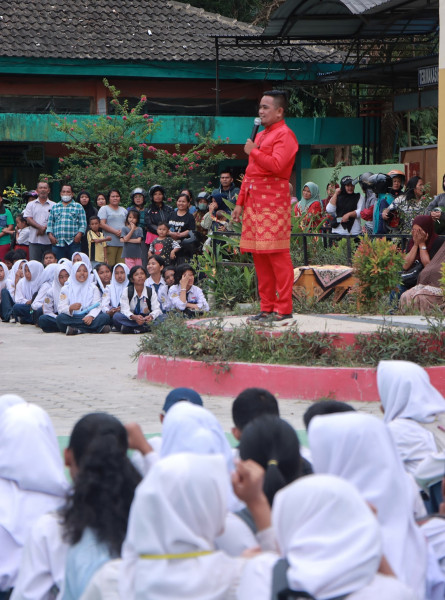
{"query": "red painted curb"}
pixel 284 381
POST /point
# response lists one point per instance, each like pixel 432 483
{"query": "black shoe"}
pixel 261 316
pixel 125 329
pixel 71 331
pixel 277 318
pixel 105 329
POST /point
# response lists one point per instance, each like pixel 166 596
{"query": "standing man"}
pixel 265 199
pixel 66 225
pixel 226 191
pixel 36 214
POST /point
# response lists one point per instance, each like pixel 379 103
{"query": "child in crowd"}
pixel 185 296
pixel 139 304
pixel 26 291
pixel 22 235
pixel 47 321
pixel 102 276
pixel 155 269
pixel 45 283
pixel 81 257
pixel 9 259
pixel 97 242
pixel 131 236
pixel 49 258
pixel 79 305
pixel 182 228
pixel 111 299
pixel 164 245
pixel 8 292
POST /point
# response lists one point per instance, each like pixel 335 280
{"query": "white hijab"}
pixel 15 268
pixel 85 260
pixel 57 288
pixel 77 291
pixel 47 275
pixel 29 288
pixel 406 392
pixel 32 479
pixel 6 275
pixel 116 288
pixel 328 534
pixel 8 400
pixel 180 508
pixel 188 427
pixel 360 449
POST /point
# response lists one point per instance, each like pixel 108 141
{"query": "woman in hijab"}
pixel 310 206
pixel 359 448
pixel 8 291
pixel 32 480
pixel 424 243
pixel 79 305
pixel 111 298
pixel 84 198
pixel 47 321
pixel 178 511
pixel 330 545
pixel 26 292
pixel 343 206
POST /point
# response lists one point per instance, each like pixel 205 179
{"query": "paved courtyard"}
pixel 71 376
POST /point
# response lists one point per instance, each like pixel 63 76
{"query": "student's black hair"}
pixel 93 218
pixel 181 269
pixel 102 264
pixel 46 253
pixel 9 256
pixel 110 192
pixel 162 223
pixel 252 403
pixel 105 484
pixel 159 259
pixel 227 170
pixel 325 407
pixel 21 218
pixel 280 98
pixel 273 444
pixel 135 212
pixel 133 271
pixel 21 254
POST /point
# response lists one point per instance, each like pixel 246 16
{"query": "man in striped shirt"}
pixel 66 225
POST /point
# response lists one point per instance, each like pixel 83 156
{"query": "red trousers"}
pixel 275 275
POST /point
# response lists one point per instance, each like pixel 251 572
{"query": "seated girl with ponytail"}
pixel 95 517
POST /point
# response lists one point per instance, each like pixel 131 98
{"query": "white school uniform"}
pixel 26 289
pixel 359 448
pixel 194 296
pixel 45 283
pixel 331 541
pixel 111 297
pixel 411 404
pixel 162 292
pixel 128 307
pixel 86 293
pixel 3 282
pixel 188 494
pixel 10 284
pixel 51 301
pixel 22 236
pixel 32 481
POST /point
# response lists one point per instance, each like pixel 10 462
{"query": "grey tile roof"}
pixel 124 30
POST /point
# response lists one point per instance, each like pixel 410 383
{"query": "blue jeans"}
pixel 63 321
pixel 66 251
pixel 25 313
pixel 119 319
pixel 6 305
pixel 48 324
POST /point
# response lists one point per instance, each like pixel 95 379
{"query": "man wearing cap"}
pixel 265 200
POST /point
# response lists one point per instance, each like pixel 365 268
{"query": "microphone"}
pixel 256 126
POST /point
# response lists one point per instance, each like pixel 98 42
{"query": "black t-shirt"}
pixel 180 224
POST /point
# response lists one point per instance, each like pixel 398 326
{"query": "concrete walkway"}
pixel 71 376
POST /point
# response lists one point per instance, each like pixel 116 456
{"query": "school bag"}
pixel 130 292
pixel 280 586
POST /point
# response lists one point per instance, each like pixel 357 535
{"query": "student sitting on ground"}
pixel 8 291
pixel 49 258
pixel 139 305
pixel 79 305
pixel 185 296
pixel 26 291
pixel 47 321
pixel 102 276
pixel 111 299
pixel 155 269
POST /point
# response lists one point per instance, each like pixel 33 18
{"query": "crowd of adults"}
pixel 356 514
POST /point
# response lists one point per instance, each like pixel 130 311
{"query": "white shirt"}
pixel 162 293
pixel 194 296
pixel 127 308
pixel 340 230
pixel 40 214
pixel 64 302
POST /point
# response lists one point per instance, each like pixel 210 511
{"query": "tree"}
pixel 115 152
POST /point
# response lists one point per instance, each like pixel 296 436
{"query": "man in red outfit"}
pixel 265 200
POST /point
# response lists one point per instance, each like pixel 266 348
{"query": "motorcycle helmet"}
pixel 380 183
pixel 396 173
pixel 138 190
pixel 363 180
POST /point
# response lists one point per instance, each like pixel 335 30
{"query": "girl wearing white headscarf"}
pixel 79 305
pixel 111 298
pixel 4 275
pixel 331 544
pixel 45 283
pixel 178 511
pixel 26 291
pixel 8 400
pixel 412 410
pixel 47 321
pixel 82 257
pixel 7 293
pixel 360 449
pixel 32 480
